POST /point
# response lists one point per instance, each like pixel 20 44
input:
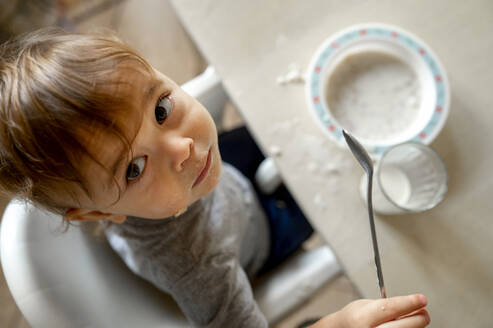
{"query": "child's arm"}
pixel 217 293
pixel 402 311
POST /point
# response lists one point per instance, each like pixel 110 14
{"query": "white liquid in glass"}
pixel 395 184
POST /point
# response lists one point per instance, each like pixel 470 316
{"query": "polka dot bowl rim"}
pixel 392 40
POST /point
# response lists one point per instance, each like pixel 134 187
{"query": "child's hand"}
pixel 401 311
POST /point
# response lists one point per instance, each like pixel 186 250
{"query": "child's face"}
pixel 175 157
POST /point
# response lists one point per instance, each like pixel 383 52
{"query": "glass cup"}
pixel 409 177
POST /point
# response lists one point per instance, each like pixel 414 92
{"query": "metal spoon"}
pixel 365 161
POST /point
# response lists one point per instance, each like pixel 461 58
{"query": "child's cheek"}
pixel 216 174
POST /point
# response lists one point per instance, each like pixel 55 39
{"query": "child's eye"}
pixel 164 107
pixel 135 168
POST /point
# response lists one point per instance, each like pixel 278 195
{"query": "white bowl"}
pixel 389 40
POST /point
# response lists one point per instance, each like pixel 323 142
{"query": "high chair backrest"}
pixel 73 278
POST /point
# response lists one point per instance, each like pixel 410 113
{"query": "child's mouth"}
pixel 204 171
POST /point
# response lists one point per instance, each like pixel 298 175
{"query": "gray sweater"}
pixel 204 257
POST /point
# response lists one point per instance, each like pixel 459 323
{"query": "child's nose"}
pixel 180 149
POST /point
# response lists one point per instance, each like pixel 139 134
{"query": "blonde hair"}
pixel 53 85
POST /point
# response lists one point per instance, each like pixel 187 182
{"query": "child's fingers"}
pixel 420 311
pixel 418 320
pixel 395 307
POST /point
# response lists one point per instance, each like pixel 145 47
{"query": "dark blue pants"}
pixel 288 226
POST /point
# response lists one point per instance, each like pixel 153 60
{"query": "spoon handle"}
pixel 378 263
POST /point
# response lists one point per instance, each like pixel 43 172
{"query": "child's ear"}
pixel 80 214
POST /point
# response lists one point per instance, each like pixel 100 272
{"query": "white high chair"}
pixel 74 279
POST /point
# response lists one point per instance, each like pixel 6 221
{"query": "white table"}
pixel 446 253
